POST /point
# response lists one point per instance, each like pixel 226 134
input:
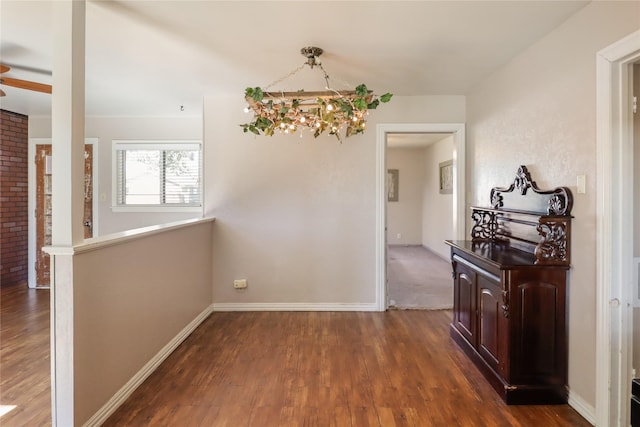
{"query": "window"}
pixel 151 174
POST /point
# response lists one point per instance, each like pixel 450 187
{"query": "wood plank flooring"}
pixel 25 363
pixel 398 368
pixel 280 369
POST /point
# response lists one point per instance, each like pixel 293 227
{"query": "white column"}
pixel 68 121
pixel 68 22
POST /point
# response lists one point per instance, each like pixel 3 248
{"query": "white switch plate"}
pixel 581 182
pixel 240 283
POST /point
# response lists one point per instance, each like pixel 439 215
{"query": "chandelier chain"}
pixel 295 71
pixel 326 76
pixel 343 82
pixel 281 79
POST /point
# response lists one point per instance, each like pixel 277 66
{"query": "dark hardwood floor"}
pixel 397 368
pixel 25 363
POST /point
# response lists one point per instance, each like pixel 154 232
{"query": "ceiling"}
pixel 150 58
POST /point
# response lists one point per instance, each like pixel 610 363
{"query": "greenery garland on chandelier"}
pixel 330 110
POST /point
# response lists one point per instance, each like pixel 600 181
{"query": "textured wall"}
pixel 539 110
pixel 296 216
pixel 13 197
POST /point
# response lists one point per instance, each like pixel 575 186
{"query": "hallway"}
pixel 417 278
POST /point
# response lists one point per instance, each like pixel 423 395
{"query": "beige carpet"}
pixel 418 279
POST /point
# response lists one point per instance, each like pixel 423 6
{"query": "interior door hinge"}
pixel 634 105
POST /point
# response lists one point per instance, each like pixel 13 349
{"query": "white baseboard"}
pixel 587 411
pixel 121 395
pixel 258 306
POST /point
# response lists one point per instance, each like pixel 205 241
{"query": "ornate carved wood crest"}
pixel 522 215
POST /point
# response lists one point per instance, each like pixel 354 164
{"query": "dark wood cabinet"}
pixel 510 292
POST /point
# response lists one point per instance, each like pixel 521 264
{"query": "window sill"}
pixel 158 209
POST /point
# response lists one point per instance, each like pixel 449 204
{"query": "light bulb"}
pixel 302 119
pixel 247 109
pixel 282 125
pixel 292 127
pixel 329 107
pixel 355 119
pixel 317 124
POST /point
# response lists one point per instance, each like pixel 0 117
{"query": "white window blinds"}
pixel 158 174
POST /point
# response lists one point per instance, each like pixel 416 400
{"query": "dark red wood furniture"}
pixel 510 291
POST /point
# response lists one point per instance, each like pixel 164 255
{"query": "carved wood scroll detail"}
pixel 486 225
pixel 505 303
pixel 560 199
pixel 552 248
pixel 548 211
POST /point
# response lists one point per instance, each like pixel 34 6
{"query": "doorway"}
pixel 457 130
pixel 419 210
pixel 40 180
pixel 614 223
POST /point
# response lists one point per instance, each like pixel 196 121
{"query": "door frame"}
pixel 614 221
pixel 31 179
pixel 459 190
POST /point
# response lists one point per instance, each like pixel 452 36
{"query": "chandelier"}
pixel 317 111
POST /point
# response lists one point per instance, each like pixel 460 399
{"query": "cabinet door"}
pixel 464 307
pixel 492 324
pixel 538 304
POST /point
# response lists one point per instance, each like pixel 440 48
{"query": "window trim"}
pixel 173 144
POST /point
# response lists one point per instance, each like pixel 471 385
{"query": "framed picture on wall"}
pixel 392 185
pixel 446 177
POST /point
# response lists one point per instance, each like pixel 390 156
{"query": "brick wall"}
pixel 13 198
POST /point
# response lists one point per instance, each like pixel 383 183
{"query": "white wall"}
pixel 296 216
pixel 133 295
pixel 404 217
pixel 107 129
pixel 539 110
pixel 437 209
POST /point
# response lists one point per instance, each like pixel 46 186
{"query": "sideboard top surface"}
pixel 501 255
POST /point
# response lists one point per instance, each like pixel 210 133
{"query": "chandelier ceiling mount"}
pixel 311 53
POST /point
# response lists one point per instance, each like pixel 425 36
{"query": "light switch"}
pixel 582 184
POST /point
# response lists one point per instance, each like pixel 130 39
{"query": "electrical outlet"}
pixel 240 283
